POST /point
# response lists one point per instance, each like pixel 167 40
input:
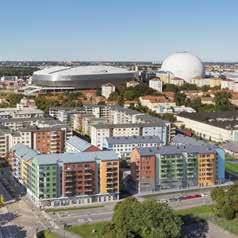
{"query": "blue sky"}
pixel 117 29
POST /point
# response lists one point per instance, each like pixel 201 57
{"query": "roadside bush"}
pixel 228 212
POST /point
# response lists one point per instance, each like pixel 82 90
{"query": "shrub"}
pixel 228 212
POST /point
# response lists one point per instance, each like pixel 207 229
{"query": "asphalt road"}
pixel 77 217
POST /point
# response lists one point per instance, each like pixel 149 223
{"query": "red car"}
pixel 191 197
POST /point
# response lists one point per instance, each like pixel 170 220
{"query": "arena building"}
pixel 183 65
pixel 81 77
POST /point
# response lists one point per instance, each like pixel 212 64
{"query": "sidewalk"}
pixel 167 191
pixel 64 233
pixel 217 232
pixel 58 230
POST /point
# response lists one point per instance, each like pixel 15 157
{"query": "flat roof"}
pixel 78 143
pixel 46 159
pixel 126 125
pixel 133 139
pixel 231 145
pixel 27 153
pixel 176 149
pixel 24 151
pixel 186 140
pixel 82 70
pixel 223 119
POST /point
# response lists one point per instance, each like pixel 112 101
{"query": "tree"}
pixel 148 219
pixel 217 193
pixel 170 88
pixel 159 220
pixel 1 200
pixel 205 88
pixel 121 101
pixel 226 201
pixel 188 86
pixel 113 96
pixel 222 100
pixel 98 92
pixel 17 71
pixel 124 164
pixel 127 218
pixel 196 104
pixel 228 212
pixel 168 117
pixel 180 98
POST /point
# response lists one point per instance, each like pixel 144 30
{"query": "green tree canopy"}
pixel 148 219
pixel 1 200
pixel 222 100
pixel 180 98
pixel 226 201
pixel 170 88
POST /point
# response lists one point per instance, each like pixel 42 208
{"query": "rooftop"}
pixel 133 139
pixel 225 119
pixel 78 143
pixel 82 70
pixel 127 125
pixel 176 149
pixel 27 153
pixel 45 159
pixel 186 140
pixel 231 145
pixel 24 151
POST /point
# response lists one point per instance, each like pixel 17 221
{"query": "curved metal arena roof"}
pixel 82 77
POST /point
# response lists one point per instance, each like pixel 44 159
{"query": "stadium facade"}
pixel 82 77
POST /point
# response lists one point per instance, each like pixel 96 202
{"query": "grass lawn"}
pixel 196 214
pixel 231 167
pixel 205 212
pixel 85 231
pixel 73 208
pixel 230 157
pixel 48 234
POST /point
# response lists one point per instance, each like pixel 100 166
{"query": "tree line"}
pixel 221 102
pixel 17 71
pixel 226 201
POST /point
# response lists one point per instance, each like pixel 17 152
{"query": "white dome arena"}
pixel 183 65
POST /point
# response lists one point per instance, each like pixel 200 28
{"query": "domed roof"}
pixel 183 65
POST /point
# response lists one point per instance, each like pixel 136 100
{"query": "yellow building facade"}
pixel 109 176
pixel 215 82
pixel 206 169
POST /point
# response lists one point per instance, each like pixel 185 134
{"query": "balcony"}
pixel 87 173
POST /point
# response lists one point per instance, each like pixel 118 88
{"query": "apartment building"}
pixel 45 135
pixel 123 145
pixel 18 159
pixel 175 166
pixel 101 121
pixel 25 109
pixel 214 126
pixel 177 81
pixel 220 162
pixel 108 89
pixel 75 144
pixel 66 179
pixel 200 82
pixel 156 84
pixel 51 139
pixel 101 131
pixel 153 102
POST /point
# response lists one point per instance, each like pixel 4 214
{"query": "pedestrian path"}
pixel 215 231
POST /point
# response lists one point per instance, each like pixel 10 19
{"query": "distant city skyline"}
pixel 76 30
